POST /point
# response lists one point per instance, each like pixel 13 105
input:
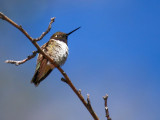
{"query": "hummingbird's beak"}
pixel 73 31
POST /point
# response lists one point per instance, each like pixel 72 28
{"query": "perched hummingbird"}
pixel 57 49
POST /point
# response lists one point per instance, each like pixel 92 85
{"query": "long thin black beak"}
pixel 73 31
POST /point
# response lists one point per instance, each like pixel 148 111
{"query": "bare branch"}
pixel 106 107
pixel 22 61
pixel 2 16
pixel 15 25
pixel 28 36
pixel 44 33
pixel 90 107
pixel 78 93
pixel 66 78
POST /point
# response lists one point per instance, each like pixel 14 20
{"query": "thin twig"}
pixel 89 105
pixel 44 33
pixel 106 107
pixel 68 81
pixel 22 61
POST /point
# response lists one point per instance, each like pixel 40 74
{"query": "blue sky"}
pixel 117 51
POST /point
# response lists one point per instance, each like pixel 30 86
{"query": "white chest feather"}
pixel 59 52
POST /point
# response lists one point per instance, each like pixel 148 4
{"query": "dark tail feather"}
pixel 36 80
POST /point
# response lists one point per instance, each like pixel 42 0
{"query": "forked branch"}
pixel 39 50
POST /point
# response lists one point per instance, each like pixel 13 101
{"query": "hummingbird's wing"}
pixel 43 69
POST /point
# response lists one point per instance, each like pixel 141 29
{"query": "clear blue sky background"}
pixel 117 51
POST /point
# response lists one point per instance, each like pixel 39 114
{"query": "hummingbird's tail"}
pixel 42 71
pixel 36 79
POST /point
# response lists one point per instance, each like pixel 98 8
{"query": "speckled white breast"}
pixel 59 52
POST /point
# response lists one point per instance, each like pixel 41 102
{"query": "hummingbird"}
pixel 57 49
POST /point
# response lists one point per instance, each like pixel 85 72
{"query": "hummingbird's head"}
pixel 62 36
